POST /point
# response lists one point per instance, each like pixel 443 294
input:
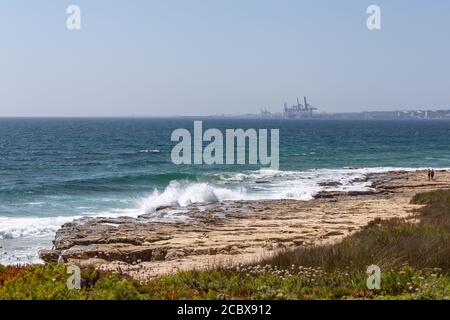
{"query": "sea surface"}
pixel 55 170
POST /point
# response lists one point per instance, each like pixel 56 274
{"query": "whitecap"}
pixel 150 151
pixel 182 194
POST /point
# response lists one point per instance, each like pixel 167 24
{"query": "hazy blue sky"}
pixel 192 57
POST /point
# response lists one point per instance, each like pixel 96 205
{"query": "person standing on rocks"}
pixel 432 174
pixel 429 174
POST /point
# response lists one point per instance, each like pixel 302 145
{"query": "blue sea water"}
pixel 55 170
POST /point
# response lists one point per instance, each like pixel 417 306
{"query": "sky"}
pixel 199 57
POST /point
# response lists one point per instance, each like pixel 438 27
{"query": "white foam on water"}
pixel 21 238
pixel 182 194
pixel 264 184
pixel 150 151
pixel 23 227
pixel 38 227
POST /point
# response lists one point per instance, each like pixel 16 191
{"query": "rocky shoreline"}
pixel 233 232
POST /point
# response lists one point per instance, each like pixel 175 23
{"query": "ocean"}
pixel 55 170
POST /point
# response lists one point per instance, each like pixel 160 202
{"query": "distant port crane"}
pixel 299 111
pixel 296 111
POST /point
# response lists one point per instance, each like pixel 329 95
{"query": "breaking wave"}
pixel 264 184
pixel 182 194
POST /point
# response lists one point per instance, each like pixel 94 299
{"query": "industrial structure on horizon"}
pixel 296 111
pixel 306 111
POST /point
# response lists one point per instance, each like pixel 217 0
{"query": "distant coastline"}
pixel 403 115
pixel 400 115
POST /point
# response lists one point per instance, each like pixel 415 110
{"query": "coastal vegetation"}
pixel 413 255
